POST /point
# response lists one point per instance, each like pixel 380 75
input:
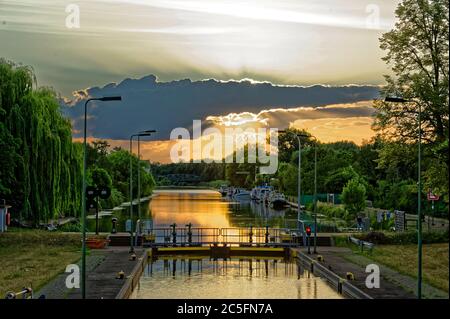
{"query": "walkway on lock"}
pixel 235 236
pixel 102 266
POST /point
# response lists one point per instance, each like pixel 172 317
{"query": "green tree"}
pixel 97 152
pixel 354 196
pixel 288 143
pixel 100 177
pixel 47 164
pixel 8 158
pixel 417 49
pixel 288 176
pixel 336 181
pixel 119 168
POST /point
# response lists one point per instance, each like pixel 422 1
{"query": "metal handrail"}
pixel 26 293
pixel 226 236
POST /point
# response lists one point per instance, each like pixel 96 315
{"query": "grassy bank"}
pixel 403 258
pixel 34 257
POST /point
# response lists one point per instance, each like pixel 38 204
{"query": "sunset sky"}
pixel 242 49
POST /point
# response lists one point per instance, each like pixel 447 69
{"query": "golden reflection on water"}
pixel 195 277
pixel 192 278
pixel 202 208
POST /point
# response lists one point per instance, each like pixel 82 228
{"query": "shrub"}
pixel 354 196
pixel 378 238
pixel 331 211
pixel 405 238
pixel 71 228
pixel 39 237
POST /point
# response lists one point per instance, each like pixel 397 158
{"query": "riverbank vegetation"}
pixel 34 257
pixel 111 167
pixel 41 167
pixel 383 170
pixel 403 258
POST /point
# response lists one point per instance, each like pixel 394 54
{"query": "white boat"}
pixel 254 193
pixel 277 200
pixel 241 194
pixel 264 198
pixel 258 192
pixel 223 190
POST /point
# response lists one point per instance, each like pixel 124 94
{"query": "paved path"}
pixel 102 266
pixel 393 285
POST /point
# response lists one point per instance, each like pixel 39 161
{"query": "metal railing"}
pixel 180 235
pixel 361 243
pixel 343 286
pixel 249 236
pixel 25 293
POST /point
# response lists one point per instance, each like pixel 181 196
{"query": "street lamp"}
pixel 83 194
pixel 138 135
pixel 315 190
pixel 299 210
pixel 419 193
pixel 143 133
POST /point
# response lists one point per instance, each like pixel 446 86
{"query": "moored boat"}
pixel 277 200
pixel 241 194
pixel 223 190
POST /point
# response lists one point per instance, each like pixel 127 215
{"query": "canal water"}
pixel 247 278
pixel 199 277
pixel 202 208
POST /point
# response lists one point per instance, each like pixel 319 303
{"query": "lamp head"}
pixel 110 98
pixel 146 133
pixel 395 99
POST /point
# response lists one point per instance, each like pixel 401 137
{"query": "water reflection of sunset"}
pixel 201 208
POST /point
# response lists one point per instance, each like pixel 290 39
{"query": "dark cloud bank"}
pixel 149 104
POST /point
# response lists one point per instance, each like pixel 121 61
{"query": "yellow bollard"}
pixel 120 275
pixel 350 276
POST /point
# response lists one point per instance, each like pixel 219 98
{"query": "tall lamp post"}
pixel 315 192
pixel 315 188
pixel 299 210
pixel 143 133
pixel 138 135
pixel 419 193
pixel 83 193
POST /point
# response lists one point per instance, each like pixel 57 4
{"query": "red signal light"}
pixel 308 230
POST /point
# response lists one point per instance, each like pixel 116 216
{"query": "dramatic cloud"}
pixel 281 117
pixel 150 104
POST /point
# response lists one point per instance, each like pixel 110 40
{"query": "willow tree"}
pixel 45 179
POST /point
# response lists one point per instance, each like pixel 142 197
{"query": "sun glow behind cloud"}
pixel 330 123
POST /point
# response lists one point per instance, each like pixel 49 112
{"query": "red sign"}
pixel 432 197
